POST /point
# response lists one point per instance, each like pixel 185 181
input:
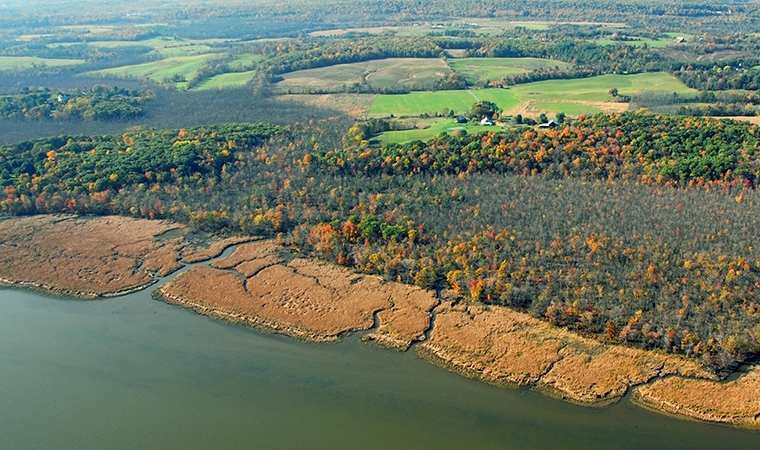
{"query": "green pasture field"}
pixel 415 103
pixel 596 89
pixel 506 99
pixel 637 42
pixel 23 62
pixel 552 96
pixel 481 69
pixel 158 70
pixel 382 73
pixel 225 80
pixel 244 61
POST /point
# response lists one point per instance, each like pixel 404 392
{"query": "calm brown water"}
pixel 133 372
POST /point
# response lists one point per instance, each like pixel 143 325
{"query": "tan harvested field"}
pixel 85 257
pixel 736 402
pixel 263 285
pixel 502 346
pixel 533 109
pixel 755 120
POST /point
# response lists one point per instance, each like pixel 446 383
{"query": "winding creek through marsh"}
pixel 135 372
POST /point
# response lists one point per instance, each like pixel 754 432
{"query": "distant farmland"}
pixel 379 74
pixel 481 69
pixel 232 79
pixel 572 97
pixel 23 62
pixel 183 66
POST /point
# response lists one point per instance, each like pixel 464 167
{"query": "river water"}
pixel 133 372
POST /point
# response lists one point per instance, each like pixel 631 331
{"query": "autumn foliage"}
pixel 636 228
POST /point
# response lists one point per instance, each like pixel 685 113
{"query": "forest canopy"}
pixel 633 227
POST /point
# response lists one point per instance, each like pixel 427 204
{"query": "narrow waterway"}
pixel 133 372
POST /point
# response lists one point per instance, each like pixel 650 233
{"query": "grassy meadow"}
pixel 245 61
pixel 482 69
pixel 596 89
pixel 158 71
pixel 384 73
pixel 226 80
pixel 572 97
pixel 416 103
pixel 24 62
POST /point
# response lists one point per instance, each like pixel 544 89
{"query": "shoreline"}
pixel 256 322
pixel 265 287
pixel 77 295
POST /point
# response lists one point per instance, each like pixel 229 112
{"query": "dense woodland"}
pixel 634 227
pixel 97 103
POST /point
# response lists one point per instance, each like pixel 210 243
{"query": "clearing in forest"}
pixel 182 66
pixel 226 80
pixel 378 74
pixel 25 62
pixel 482 69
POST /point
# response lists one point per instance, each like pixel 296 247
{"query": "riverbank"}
pixel 502 346
pixel 263 285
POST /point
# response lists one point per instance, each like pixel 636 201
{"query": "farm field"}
pixel 384 73
pixel 184 66
pixel 638 41
pixel 482 69
pixel 157 43
pixel 416 103
pixel 596 89
pixel 245 61
pixel 23 62
pixel 232 79
pixel 573 97
pixel 479 25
